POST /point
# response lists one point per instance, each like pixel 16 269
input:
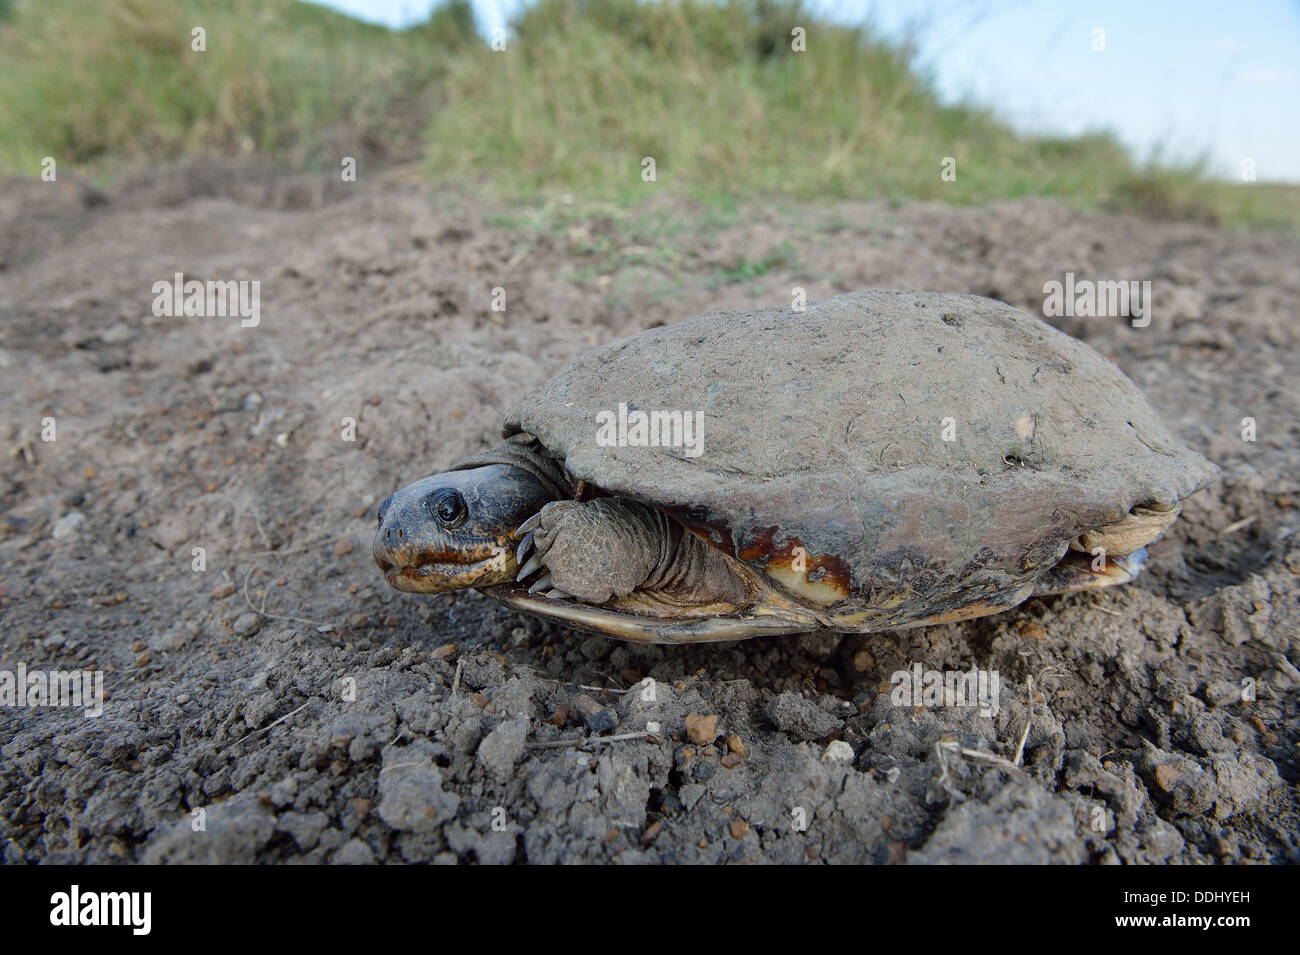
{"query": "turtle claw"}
pixel 524 544
pixel 534 563
pixel 529 525
pixel 536 550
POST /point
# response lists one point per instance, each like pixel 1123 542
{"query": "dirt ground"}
pixel 315 715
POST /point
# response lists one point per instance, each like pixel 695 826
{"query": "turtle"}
pixel 875 460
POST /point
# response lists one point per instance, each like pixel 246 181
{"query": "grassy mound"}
pixel 584 92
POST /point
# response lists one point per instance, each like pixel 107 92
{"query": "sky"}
pixel 1178 79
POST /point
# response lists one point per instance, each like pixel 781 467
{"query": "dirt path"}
pixel 343 725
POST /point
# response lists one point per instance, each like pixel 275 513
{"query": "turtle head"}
pixel 456 529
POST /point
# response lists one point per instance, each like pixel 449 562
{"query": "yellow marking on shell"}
pixel 855 618
pixel 820 579
pixel 980 609
pixel 623 626
pixel 650 604
pixel 823 593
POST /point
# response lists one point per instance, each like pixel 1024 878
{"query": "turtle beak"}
pixel 417 554
pixel 437 577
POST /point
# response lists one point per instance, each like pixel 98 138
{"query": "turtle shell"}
pixel 879 449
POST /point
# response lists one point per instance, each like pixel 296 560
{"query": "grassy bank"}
pixel 584 92
pixel 117 81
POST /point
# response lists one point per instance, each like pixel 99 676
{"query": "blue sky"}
pixel 1181 79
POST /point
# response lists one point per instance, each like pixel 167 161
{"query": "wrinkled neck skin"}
pixel 456 529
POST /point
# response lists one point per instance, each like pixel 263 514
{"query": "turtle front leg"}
pixel 607 548
pixel 592 550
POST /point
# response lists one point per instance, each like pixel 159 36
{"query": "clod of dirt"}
pixel 801 718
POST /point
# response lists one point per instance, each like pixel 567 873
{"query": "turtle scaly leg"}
pixel 592 550
pixel 606 548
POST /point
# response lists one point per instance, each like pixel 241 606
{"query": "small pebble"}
pixel 246 624
pixel 174 640
pixel 69 525
pixel 1033 630
pixel 598 718
pixel 838 752
pixel 702 728
pixel 1166 777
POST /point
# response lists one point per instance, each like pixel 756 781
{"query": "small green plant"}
pixel 783 255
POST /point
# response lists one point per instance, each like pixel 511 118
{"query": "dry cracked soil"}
pixel 282 704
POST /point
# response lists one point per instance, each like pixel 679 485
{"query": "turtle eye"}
pixel 383 509
pixel 448 507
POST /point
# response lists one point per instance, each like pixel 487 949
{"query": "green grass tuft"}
pixel 714 94
pixel 118 81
